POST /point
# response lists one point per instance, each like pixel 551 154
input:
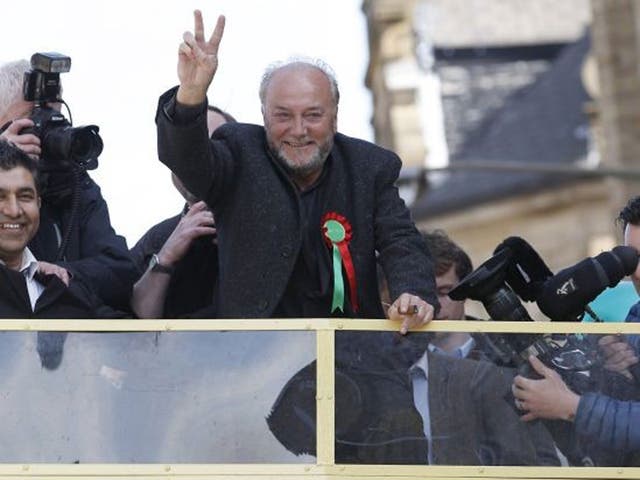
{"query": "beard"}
pixel 301 168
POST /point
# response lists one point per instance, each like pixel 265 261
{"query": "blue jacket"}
pixel 612 424
pixel 634 316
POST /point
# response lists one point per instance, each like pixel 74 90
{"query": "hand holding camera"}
pixel 27 142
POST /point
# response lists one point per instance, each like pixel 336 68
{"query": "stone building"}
pixel 511 86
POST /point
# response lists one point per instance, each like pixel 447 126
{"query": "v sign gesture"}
pixel 198 61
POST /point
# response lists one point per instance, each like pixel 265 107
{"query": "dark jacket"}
pixel 192 284
pixel 57 300
pixel 259 219
pixel 634 317
pixel 94 254
pixel 473 419
pixel 612 424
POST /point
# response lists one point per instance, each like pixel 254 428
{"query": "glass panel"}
pixel 171 397
pixel 414 400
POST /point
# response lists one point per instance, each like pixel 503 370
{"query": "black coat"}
pixel 95 254
pixel 259 219
pixel 192 284
pixel 57 300
pixel 471 411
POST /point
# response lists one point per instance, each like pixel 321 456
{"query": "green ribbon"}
pixel 336 233
pixel 338 281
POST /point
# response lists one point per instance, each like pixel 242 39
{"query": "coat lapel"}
pixel 53 290
pixel 16 288
pixel 451 412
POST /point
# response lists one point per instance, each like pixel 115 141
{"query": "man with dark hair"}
pixel 30 288
pixel 608 422
pixel 301 210
pixel 452 264
pixel 629 220
pixel 75 231
pixel 178 257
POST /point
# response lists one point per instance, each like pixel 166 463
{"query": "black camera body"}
pixel 572 356
pixel 64 147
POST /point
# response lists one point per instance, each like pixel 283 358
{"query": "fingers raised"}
pixel 198 28
pixel 216 36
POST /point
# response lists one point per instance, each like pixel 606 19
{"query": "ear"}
pixel 39 201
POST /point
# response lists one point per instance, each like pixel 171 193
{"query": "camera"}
pixel 572 356
pixel 64 147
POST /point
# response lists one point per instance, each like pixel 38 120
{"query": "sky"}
pixel 124 55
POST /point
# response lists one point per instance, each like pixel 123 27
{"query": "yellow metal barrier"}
pixel 325 466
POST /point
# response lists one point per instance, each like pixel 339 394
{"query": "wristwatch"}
pixel 156 266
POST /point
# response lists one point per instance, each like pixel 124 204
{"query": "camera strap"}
pixel 73 216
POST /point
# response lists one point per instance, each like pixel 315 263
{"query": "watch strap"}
pixel 156 266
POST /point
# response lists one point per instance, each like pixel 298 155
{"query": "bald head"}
pixel 299 63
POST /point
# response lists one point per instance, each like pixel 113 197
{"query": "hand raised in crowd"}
pixel 197 222
pixel 548 397
pixel 618 354
pixel 46 268
pixel 411 310
pixel 27 142
pixel 198 61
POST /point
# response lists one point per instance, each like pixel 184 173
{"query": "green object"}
pixel 336 233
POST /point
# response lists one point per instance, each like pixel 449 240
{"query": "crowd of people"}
pixel 292 219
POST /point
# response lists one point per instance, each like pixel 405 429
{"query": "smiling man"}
pixel 29 288
pixel 19 213
pixel 301 210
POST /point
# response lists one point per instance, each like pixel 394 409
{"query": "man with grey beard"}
pixel 301 210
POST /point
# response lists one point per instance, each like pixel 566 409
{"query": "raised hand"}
pixel 198 61
pixel 197 222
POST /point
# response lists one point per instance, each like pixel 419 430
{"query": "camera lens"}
pixel 79 145
pixel 86 144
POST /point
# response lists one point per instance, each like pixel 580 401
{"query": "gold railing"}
pixel 325 466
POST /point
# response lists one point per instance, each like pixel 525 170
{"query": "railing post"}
pixel 325 395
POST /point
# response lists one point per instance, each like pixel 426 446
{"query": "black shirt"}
pixel 309 292
pixel 193 282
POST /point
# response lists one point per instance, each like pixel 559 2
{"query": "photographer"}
pixel 607 421
pixel 629 219
pixel 611 423
pixel 75 231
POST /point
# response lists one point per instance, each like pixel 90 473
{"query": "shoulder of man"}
pixel 152 241
pixel 634 313
pixel 238 130
pixel 158 234
pixel 358 150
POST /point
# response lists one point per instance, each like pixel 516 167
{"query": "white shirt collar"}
pixel 28 263
pixel 462 351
